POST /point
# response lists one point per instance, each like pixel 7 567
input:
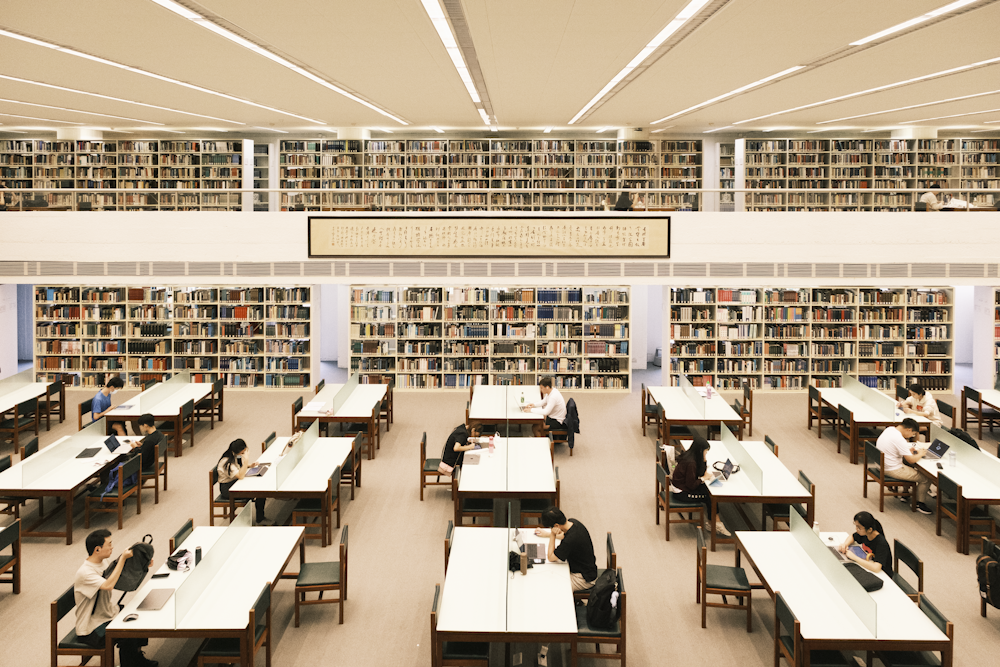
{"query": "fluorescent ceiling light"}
pixel 603 129
pixel 718 129
pixel 546 130
pixel 494 128
pixel 888 86
pixel 662 129
pixel 987 122
pixel 692 8
pixel 383 129
pixel 483 115
pixel 954 115
pixel 171 131
pixel 438 130
pixel 50 120
pixel 89 113
pixel 914 21
pixel 912 106
pixel 136 70
pixel 741 89
pixel 829 129
pixel 443 28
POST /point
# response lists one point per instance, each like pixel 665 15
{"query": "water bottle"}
pixel 952 459
pixel 491 445
pixel 816 527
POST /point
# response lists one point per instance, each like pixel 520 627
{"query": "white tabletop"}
pixel 311 474
pixel 70 473
pixel 677 406
pixel 778 481
pixel 540 601
pixel 166 406
pixel 496 403
pixel 864 413
pixel 474 598
pixel 973 483
pixel 517 464
pixel 991 396
pixel 324 396
pixel 225 604
pixel 357 406
pixel 821 610
pixel 21 393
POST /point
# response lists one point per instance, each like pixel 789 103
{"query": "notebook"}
pixel 937 450
pixel 155 599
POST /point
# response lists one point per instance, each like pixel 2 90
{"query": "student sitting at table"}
pixel 151 438
pixel 102 403
pixel 893 442
pixel 920 402
pixel 94 607
pixel 691 477
pixel 576 547
pixel 456 447
pixel 868 535
pixel 553 406
pixel 232 467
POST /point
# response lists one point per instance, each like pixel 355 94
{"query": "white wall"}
pixel 963 324
pixel 654 322
pixel 638 312
pixel 328 324
pixel 8 330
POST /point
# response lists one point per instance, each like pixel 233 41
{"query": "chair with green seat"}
pixel 321 578
pixel 977 413
pixel 217 502
pixel 874 471
pixel 720 580
pixel 11 537
pixel 820 412
pixel 672 504
pixel 846 428
pixel 9 506
pixel 902 393
pixel 779 513
pixel 85 407
pixel 948 411
pixel 455 654
pixel 610 564
pixel 54 402
pixel 154 471
pixel 24 419
pixel 469 507
pixel 226 650
pixel 186 426
pixel 788 641
pixel 350 472
pixel 149 384
pixel 449 533
pixel 532 508
pixel 600 636
pixel 369 431
pixel 211 405
pixel 920 658
pixel 429 468
pixel 650 415
pixel 902 553
pixel 299 424
pixel 181 534
pixel 320 386
pixel 950 504
pixel 113 501
pixel 70 645
pixel 672 434
pixel 29 449
pixel 321 510
pixel 771 444
pixel 268 441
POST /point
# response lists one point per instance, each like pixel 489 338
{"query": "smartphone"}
pixel 939 466
pixel 160 576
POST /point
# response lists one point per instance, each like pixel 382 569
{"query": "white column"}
pixel 638 314
pixel 710 174
pixel 8 330
pixel 247 195
pixel 740 174
pixel 983 364
pixel 342 303
pixel 665 336
pixel 273 174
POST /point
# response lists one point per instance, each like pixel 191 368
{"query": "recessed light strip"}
pixel 741 89
pixel 718 129
pixel 49 120
pixel 89 113
pixel 888 86
pixel 136 70
pixel 912 106
pixel 690 10
pixel 915 21
pixel 954 115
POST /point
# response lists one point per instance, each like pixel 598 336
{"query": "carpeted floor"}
pixel 396 543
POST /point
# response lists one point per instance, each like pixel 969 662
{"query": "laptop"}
pixel 534 550
pixel 727 470
pixel 937 450
pixel 112 443
pixel 259 470
pixel 90 452
pixel 854 549
pixel 155 599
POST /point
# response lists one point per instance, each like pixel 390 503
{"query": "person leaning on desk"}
pixel 456 447
pixel 102 403
pixel 893 442
pixel 553 407
pixel 868 535
pixel 930 199
pixel 232 467
pixel 920 402
pixel 576 548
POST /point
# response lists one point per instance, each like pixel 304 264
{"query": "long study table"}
pixel 493 404
pixel 164 401
pixel 678 409
pixel 360 403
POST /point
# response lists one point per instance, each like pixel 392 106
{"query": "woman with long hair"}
pixel 232 467
pixel 691 476
pixel 868 535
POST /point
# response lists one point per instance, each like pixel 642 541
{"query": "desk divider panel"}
pixel 853 386
pixel 46 460
pixel 856 597
pixel 873 397
pixel 742 458
pixel 345 392
pixel 692 394
pixel 154 395
pixel 17 380
pixel 188 593
pixel 984 464
pixel 295 455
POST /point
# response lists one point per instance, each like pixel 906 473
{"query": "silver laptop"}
pixel 534 550
pixel 727 470
pixel 155 599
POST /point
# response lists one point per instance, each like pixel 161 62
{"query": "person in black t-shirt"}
pixel 151 438
pixel 576 547
pixel 455 448
pixel 868 535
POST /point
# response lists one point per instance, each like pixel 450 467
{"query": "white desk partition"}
pixel 885 405
pixel 295 455
pixel 46 460
pixel 696 399
pixel 345 392
pixel 977 472
pixel 843 581
pixel 742 457
pixel 188 593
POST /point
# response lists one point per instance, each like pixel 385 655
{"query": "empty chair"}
pixel 211 405
pixel 779 512
pixel 320 509
pixel 532 508
pixel 226 650
pixel 903 554
pixel 112 500
pixel 448 654
pixel 10 537
pixel 268 441
pixel 948 411
pixel 974 411
pixel 299 424
pixel 29 449
pixel 650 415
pixel 788 641
pixel 369 432
pixel 429 469
pixel 54 402
pixel 469 507
pixel 820 412
pixel 747 413
pixel 24 419
pixel 614 636
pixel 186 426
pixel 951 504
pixel 448 534
pixel 9 506
pixel 771 444
pixel 874 471
pixel 720 580
pixel 321 578
pixel 319 387
pixel 350 472
pixel 920 658
pixel 181 534
pixel 848 430
pixel 671 434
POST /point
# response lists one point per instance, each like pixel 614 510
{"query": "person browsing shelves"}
pixel 868 535
pixel 456 447
pixel 920 402
pixel 691 476
pixel 232 467
pixel 575 548
pixel 553 406
pixel 102 403
pixel 899 452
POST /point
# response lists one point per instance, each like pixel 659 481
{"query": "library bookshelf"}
pixel 252 337
pixel 261 172
pixel 456 337
pixel 788 338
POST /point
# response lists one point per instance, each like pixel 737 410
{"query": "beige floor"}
pixel 397 541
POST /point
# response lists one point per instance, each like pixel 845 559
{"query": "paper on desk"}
pixel 315 406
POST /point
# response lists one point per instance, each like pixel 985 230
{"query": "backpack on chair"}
pixel 988 572
pixel 602 605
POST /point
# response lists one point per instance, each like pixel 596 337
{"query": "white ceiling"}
pixel 542 62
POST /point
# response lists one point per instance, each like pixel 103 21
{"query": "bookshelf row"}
pixel 785 339
pixel 249 336
pixel 456 337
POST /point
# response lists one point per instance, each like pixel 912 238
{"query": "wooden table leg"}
pixel 715 517
pixel 232 508
pixel 179 444
pixel 69 518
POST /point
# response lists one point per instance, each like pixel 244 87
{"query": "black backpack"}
pixel 136 568
pixel 963 436
pixel 602 605
pixel 988 572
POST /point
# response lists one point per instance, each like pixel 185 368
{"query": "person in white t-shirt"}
pixel 930 198
pixel 893 442
pixel 553 406
pixel 920 402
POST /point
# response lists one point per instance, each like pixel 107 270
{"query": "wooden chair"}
pixel 369 430
pixel 748 408
pixel 671 434
pixel 455 654
pixel 448 534
pixel 610 564
pixel 429 468
pixel 779 513
pixel 86 407
pixel 268 441
pixel 469 507
pixel 948 410
pixel 11 537
pixel 532 508
pixel 650 415
pixel 25 418
pixel 558 436
pixel 323 577
pixel 951 504
pixel 720 580
pixel 598 636
pixel 671 504
pixel 771 444
pixel 977 413
pixel 181 535
pixel 70 645
pixel 9 506
pixel 303 424
pixel 989 548
pixel 54 401
pixel 216 503
pixel 153 473
pixel 187 426
pixel 846 430
pixel 385 406
pixel 29 449
pixel 351 471
pixel 902 553
pixel 226 650
pixel 320 386
pixel 874 470
pixel 149 384
pixel 820 412
pixel 902 393
pixel 211 405
pixel 321 510
pixel 114 501
pixel 908 658
pixel 788 641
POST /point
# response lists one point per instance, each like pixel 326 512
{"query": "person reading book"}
pixel 868 536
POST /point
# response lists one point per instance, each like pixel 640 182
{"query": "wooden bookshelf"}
pixel 786 338
pixel 252 337
pixel 457 337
